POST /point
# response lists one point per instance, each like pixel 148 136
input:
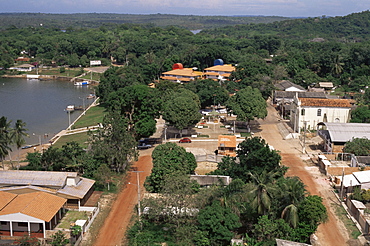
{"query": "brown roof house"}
pixel 226 145
pixel 67 185
pixel 180 74
pixel 310 111
pixel 30 213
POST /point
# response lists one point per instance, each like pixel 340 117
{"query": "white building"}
pixel 311 111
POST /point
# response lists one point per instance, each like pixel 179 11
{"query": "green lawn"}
pixel 95 76
pixel 71 217
pixel 92 117
pixel 80 138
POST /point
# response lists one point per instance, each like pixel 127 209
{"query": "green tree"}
pixel 255 156
pixel 209 91
pixel 262 193
pixel 169 158
pixel 5 138
pixel 140 105
pixel 312 211
pixel 360 115
pixel 18 135
pixel 103 175
pixel 59 239
pixel 247 104
pixel 182 110
pixel 358 146
pixel 218 222
pixel 114 144
pixel 267 230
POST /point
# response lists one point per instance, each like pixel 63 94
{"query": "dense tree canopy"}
pixel 168 159
pixel 248 104
pixel 358 146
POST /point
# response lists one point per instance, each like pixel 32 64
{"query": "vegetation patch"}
pixel 80 138
pixel 351 227
pixel 71 217
pixel 92 117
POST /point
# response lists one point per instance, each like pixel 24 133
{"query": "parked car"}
pixel 144 146
pixel 185 140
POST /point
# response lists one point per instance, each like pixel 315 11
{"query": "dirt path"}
pixel 115 225
pixel 333 232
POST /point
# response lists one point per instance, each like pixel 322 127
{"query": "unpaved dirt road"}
pixel 330 233
pixel 115 225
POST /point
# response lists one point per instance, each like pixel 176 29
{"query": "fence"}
pixel 356 209
pixel 90 219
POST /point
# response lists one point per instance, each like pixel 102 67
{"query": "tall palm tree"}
pixel 18 135
pixel 264 187
pixel 5 138
pixel 294 192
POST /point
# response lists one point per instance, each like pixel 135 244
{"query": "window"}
pixel 22 224
pixel 3 223
pixel 303 111
pixel 319 112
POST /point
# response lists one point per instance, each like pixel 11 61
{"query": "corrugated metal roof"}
pixel 285 84
pixel 344 132
pixel 79 190
pixel 301 94
pixel 39 205
pixel 363 176
pixel 38 178
pixel 349 180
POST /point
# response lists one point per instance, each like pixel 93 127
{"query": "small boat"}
pixel 82 83
pixel 70 108
pixel 91 96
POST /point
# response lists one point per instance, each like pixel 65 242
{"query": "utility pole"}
pixel 304 137
pixel 138 193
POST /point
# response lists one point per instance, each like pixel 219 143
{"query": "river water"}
pixel 41 105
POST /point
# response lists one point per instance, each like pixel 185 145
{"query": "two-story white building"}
pixel 311 111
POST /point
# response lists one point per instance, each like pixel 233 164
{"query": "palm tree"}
pixel 294 193
pixel 5 138
pixel 18 134
pixel 261 194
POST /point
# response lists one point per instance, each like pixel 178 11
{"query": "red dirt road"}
pixel 332 232
pixel 115 225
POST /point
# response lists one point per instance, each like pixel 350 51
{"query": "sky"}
pixel 286 8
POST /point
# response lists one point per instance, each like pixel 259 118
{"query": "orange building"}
pixel 226 145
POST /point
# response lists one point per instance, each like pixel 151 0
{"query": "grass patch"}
pixel 205 127
pixel 245 134
pixel 92 117
pixel 222 126
pixel 95 76
pixel 80 138
pixel 351 227
pixel 71 217
pixel 71 72
pixel 203 136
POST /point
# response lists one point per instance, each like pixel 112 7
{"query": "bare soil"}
pixel 116 224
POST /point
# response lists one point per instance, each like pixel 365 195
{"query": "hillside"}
pixel 63 21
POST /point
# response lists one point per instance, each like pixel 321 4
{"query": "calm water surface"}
pixel 41 105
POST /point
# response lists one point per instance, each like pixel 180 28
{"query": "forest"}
pixel 261 204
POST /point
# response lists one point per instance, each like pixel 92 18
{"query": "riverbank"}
pixel 50 77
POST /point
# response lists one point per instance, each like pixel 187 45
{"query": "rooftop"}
pixel 39 205
pixel 285 84
pixel 37 178
pixel 221 68
pixel 344 132
pixel 321 102
pixel 189 72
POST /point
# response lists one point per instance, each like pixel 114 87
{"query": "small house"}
pixel 227 145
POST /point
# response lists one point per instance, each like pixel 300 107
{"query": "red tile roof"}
pixel 39 205
pixel 323 102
